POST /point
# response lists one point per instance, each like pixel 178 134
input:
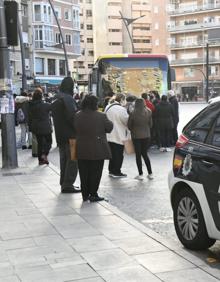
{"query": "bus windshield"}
pixel 132 75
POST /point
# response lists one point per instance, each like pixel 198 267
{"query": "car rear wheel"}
pixel 189 222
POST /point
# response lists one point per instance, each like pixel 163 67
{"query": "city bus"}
pixel 130 74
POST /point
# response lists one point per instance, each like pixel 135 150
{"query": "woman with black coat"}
pixel 91 146
pixel 40 125
pixel 165 119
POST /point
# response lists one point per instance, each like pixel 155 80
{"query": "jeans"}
pixel 24 134
pixel 115 163
pixel 90 172
pixel 68 168
pixel 141 146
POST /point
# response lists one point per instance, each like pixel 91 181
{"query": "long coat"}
pixel 39 117
pixel 63 111
pixel 91 142
pixel 164 115
pixel 140 124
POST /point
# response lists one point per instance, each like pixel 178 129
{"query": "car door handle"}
pixel 207 163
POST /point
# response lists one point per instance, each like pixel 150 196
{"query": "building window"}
pixel 157 42
pixel 24 10
pixel 115 43
pixel 156 9
pixel 90 53
pixel 156 26
pixel 81 26
pixel 58 12
pixel 67 16
pixel 37 13
pixel 141 41
pixel 58 38
pixel 88 1
pixel 115 30
pixel 213 70
pixel 89 40
pixel 189 72
pixel 89 26
pixel 39 65
pixel 88 13
pixel 62 67
pixel 51 66
pixel 68 39
pixel 90 66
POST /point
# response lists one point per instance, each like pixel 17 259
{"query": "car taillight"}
pixel 182 140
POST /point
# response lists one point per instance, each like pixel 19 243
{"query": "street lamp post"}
pixel 127 22
pixel 9 152
pixel 207 72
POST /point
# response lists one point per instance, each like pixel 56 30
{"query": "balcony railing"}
pixel 196 26
pixel 193 9
pixel 194 61
pixel 197 44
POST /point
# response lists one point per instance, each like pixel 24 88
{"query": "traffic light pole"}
pixel 9 152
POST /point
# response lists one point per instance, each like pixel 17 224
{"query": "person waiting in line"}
pixel 140 123
pixel 91 146
pixel 117 113
pixel 164 116
pixel 175 105
pixel 64 109
pixel 40 125
pixel 147 102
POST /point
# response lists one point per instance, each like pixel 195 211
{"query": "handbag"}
pixel 128 147
pixel 72 144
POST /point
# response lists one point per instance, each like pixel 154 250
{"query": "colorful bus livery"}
pixel 130 74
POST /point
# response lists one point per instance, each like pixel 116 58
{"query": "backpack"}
pixel 20 116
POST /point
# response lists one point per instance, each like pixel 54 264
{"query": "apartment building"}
pixel 43 50
pixel 15 52
pixel 48 53
pixel 193 24
pixel 104 32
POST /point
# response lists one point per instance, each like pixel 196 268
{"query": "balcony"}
pixel 175 11
pixel 193 27
pixel 194 61
pixel 191 45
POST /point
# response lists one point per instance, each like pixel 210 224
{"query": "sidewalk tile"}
pixel 128 274
pixel 139 245
pixel 17 244
pixel 93 243
pixel 187 275
pixel 6 269
pixel 109 259
pixel 214 270
pixel 10 279
pixel 163 261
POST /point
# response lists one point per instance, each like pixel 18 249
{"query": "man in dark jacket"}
pixel 63 111
pixel 175 105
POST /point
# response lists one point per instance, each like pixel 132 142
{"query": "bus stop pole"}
pixel 9 152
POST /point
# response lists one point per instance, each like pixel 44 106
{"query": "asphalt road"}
pixel 147 201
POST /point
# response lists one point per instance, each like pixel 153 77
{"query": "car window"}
pixel 198 129
pixel 215 139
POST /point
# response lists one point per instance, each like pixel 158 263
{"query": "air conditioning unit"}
pixel 27 45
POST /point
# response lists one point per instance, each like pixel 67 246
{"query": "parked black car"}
pixel 194 181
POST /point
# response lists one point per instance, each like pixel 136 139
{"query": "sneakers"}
pixel 139 177
pixel 168 150
pixel 94 199
pixel 162 149
pixel 118 175
pixel 150 176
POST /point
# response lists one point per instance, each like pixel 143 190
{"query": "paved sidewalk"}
pixel 48 236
